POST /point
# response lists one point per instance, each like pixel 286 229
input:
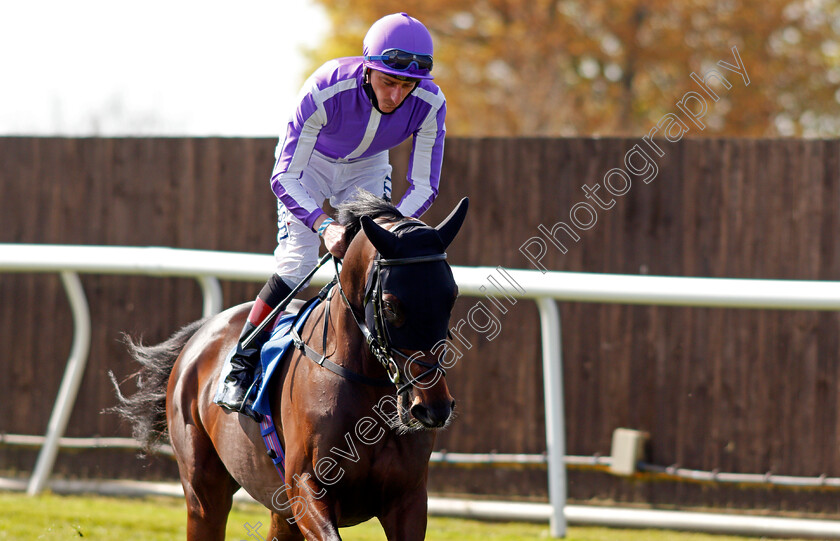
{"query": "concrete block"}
pixel 628 448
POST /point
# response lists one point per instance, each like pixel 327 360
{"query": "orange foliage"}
pixel 568 67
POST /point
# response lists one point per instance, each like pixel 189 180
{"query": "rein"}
pixel 378 344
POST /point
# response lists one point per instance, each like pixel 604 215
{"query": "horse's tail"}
pixel 146 408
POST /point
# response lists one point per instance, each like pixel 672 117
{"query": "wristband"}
pixel 324 225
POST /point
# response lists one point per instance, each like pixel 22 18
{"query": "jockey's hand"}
pixel 334 240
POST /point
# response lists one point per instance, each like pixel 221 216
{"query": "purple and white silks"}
pixel 335 117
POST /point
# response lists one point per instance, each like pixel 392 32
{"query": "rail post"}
pixel 69 383
pixel 555 437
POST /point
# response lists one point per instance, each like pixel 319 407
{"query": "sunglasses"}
pixel 401 60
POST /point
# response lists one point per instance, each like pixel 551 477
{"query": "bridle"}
pixel 378 340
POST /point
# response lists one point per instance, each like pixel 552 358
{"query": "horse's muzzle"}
pixel 432 416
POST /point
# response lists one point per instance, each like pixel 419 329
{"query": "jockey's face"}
pixel 390 91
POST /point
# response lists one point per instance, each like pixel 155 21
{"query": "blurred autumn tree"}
pixel 570 67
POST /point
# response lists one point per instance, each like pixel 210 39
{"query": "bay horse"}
pixel 354 449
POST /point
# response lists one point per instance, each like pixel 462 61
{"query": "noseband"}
pixel 378 342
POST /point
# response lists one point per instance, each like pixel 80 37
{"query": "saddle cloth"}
pixel 275 350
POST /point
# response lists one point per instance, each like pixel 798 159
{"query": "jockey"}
pixel 351 111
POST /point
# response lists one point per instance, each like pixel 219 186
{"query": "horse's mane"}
pixel 364 203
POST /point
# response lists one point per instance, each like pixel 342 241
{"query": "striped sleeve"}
pixel 295 150
pixel 426 157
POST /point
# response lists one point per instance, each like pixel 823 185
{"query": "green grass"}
pixel 151 519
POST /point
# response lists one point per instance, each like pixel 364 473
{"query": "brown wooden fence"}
pixel 734 390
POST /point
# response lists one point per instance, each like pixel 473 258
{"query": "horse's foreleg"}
pixel 313 511
pixel 406 519
pixel 318 522
pixel 282 530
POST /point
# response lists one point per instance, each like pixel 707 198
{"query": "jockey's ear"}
pixel 382 239
pixel 449 227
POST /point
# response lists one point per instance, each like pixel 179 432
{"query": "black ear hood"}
pixel 425 293
pixel 383 240
pixel 449 227
pixel 420 240
pixel 426 290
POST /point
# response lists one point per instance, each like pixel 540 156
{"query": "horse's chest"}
pixel 374 484
pixel 388 467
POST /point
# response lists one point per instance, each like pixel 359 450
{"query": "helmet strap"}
pixel 368 88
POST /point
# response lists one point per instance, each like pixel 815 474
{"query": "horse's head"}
pixel 397 279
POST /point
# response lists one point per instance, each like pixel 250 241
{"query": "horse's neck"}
pixel 346 340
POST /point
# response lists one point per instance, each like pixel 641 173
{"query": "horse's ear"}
pixel 382 239
pixel 448 228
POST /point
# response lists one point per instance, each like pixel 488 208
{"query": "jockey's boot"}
pixel 246 360
pixel 243 369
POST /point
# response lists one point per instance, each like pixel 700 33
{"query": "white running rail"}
pixel 208 267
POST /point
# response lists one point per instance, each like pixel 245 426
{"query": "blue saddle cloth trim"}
pixel 275 349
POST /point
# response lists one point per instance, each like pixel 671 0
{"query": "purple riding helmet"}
pixel 399 45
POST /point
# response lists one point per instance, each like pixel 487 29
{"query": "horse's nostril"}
pixel 431 418
pixel 419 412
pixel 452 404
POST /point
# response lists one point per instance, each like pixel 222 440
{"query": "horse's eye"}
pixel 391 310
